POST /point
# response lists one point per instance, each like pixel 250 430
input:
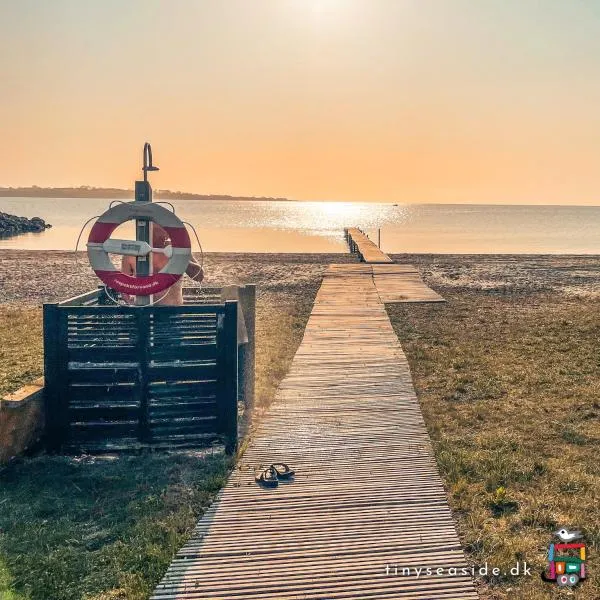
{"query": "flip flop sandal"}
pixel 267 478
pixel 282 470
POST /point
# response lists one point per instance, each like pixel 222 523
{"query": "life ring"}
pixel 99 245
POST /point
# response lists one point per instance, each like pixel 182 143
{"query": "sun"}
pixel 324 12
pixel 325 5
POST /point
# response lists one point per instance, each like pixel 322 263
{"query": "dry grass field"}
pixel 508 378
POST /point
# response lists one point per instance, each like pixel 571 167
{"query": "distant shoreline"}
pixel 118 193
pixel 85 191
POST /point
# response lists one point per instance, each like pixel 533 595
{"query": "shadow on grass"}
pixel 99 527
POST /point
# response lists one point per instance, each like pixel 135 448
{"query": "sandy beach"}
pixel 34 277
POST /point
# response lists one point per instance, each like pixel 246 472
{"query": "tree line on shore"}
pixel 86 191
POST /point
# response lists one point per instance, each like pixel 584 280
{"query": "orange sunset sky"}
pixel 377 100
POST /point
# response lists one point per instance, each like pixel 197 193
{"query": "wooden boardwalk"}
pixel 394 283
pixel 367 497
pixel 402 283
pixel 368 251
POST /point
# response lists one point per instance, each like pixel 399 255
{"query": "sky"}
pixel 451 101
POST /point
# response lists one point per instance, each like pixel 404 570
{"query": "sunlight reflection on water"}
pixel 263 226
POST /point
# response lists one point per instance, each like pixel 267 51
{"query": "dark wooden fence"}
pixel 121 378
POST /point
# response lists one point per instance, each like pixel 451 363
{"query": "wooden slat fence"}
pixel 122 377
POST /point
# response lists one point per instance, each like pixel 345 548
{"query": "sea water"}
pixel 279 226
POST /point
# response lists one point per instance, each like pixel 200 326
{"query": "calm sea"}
pixel 257 226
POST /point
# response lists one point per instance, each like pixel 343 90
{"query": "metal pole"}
pixel 143 227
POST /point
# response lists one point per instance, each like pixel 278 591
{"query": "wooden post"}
pixel 51 378
pixel 227 374
pixel 246 368
pixel 143 354
pixel 63 374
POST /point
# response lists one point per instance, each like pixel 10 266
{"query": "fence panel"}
pixel 125 377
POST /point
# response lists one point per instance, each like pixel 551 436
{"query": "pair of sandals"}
pixel 271 476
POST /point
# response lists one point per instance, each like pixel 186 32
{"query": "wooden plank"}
pixel 184 351
pixel 366 492
pixel 100 430
pixel 104 374
pixel 393 282
pixel 181 389
pixel 94 393
pixel 175 409
pixel 402 283
pixel 24 395
pixel 91 353
pixel 82 299
pixel 182 371
pixel 181 426
pixel 105 412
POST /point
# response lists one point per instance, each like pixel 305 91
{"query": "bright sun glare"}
pixel 331 12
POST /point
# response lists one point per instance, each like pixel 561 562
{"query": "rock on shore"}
pixel 13 225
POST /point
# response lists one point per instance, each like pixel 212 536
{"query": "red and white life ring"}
pixel 99 245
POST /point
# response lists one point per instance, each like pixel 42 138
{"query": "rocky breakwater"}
pixel 13 225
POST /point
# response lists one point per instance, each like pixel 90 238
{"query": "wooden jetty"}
pixel 368 251
pixel 367 501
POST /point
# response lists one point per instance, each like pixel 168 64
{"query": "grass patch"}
pixel 510 391
pixel 84 528
pixel 21 356
pixel 76 527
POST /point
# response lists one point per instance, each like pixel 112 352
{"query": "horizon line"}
pixel 221 196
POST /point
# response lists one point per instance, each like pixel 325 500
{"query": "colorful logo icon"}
pixel 566 560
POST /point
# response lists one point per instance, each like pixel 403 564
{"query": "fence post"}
pixel 51 378
pixel 246 368
pixel 143 354
pixel 227 373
